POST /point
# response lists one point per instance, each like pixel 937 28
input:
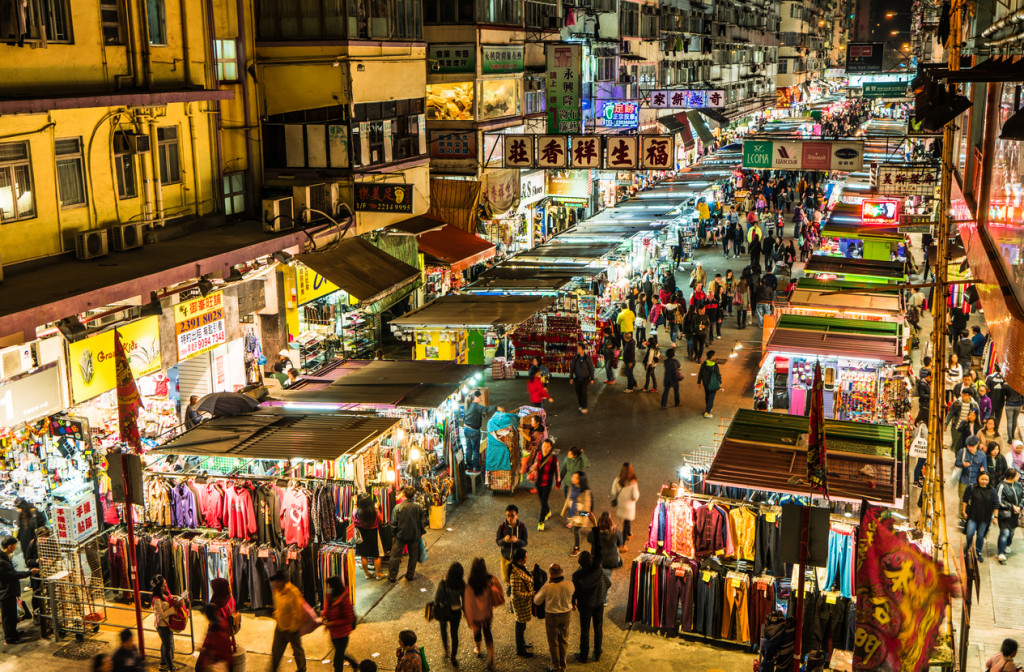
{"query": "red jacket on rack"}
pixel 239 517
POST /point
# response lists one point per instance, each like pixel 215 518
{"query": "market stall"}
pixel 859 359
pixel 856 270
pixel 448 252
pixel 844 299
pixel 858 241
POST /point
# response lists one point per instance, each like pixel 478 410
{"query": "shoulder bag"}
pixel 497 594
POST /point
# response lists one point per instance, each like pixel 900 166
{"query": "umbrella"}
pixel 226 403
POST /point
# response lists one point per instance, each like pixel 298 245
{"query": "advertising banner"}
pixel 901 179
pixel 864 57
pixel 128 400
pixel 621 114
pixel 200 325
pixel 884 90
pixel 448 58
pixel 573 184
pixel 803 155
pixel 620 152
pixel 786 155
pixel 564 91
pixel 91 360
pixel 687 99
pixel 501 58
pixel 383 197
pixel 31 397
pixel 757 153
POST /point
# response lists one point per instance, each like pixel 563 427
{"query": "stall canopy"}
pixel 470 311
pixel 844 212
pixel 698 124
pixel 281 434
pixel 867 301
pixel 838 337
pixel 869 268
pixel 678 123
pixel 767 451
pixel 446 244
pixel 570 250
pixel 361 269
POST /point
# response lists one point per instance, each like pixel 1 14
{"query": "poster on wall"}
pixel 383 197
pixel 91 360
pixel 564 91
pixel 569 184
pixel 200 325
pixel 452 145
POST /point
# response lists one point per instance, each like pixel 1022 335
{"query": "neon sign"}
pixel 621 115
pixel 880 211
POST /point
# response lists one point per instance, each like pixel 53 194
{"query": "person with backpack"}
pixel 765 301
pixel 742 302
pixel 629 360
pixel 521 587
pixel 163 610
pixel 710 378
pixel 672 318
pixel 651 358
pixel 687 328
pixel 409 657
pixel 671 377
pixel 701 328
pixel 511 535
pixel 581 375
pixel 1010 500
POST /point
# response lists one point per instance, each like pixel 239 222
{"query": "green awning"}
pixel 403 248
pixel 698 124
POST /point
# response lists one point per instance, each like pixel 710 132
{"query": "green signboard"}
pixel 757 153
pixel 885 89
pixel 564 92
pixel 448 58
pixel 497 59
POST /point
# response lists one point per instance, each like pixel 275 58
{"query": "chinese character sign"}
pixel 905 179
pixel 452 145
pixel 625 114
pixel 880 211
pixel 447 58
pixel 518 151
pixel 199 325
pixel 564 92
pixel 586 151
pixel 383 197
pixel 657 152
pixel 623 152
pixel 552 151
pixel 901 598
pixel 687 99
pixel 500 58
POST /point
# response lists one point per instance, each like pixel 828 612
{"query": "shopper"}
pixel 368 519
pixel 977 507
pixel 701 332
pixel 407 521
pixel 521 586
pixel 688 327
pixel 765 301
pixel 556 596
pixel 408 655
pixel 996 385
pixel 957 415
pixel 971 462
pixel 510 537
pixel 340 620
pixel 625 493
pixel 30 519
pixel 192 415
pixel 652 355
pixel 995 462
pixel 288 614
pixel 924 397
pixel 581 375
pixel 102 662
pixel 575 460
pixel 1014 402
pixel 1003 661
pixel 969 427
pixel 673 321
pixel 985 405
pixel 590 592
pixel 742 302
pixel 472 424
pixel 10 589
pixel 578 506
pixel 220 597
pixel 537 391
pixel 954 375
pixel 217 650
pixel 611 541
pixel 163 610
pixel 483 593
pixel 640 322
pixel 544 475
pixel 710 377
pixel 1009 499
pixel 629 360
pixel 126 658
pixel 626 320
pixel 672 374
pixel 698 276
pixel 448 609
pixel 1016 456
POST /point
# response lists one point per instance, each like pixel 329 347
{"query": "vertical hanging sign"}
pixel 564 92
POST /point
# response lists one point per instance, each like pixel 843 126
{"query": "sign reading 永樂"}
pixel 384 197
pixel 904 179
pixel 199 325
pixel 564 92
pixel 621 114
pixel 884 90
pixel 627 152
pixel 496 59
pixel 803 155
pixel 687 99
pixel 448 58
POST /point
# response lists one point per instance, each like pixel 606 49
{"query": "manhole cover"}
pixel 82 650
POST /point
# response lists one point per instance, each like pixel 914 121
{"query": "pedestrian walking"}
pixel 742 302
pixel 710 378
pixel 671 377
pixel 701 330
pixel 1003 661
pixel 995 463
pixel 102 662
pixel 1009 499
pixel 220 597
pixel 688 327
pixel 673 320
pixel 1014 402
pixel 483 593
pixel 625 493
pixel 652 355
pixel 126 658
pixel 590 591
pixel 768 250
pixel 537 390
pixel 581 375
pixel 967 429
pixel 448 609
pixel 626 320
pixel 575 460
pixel 340 620
pixel 729 284
pixel 407 525
pixel 629 360
pixel 924 397
pixel 972 463
pixel 978 506
pixel 368 519
pixel 288 617
pixel 611 541
pixel 163 610
pixel 608 354
pixel 510 537
pixel 755 252
pixel 738 240
pixel 472 424
pixel 408 656
pixel 577 507
pixel 556 596
pixel 640 323
pixel 521 584
pixel 10 589
pixel 765 301
pixel 544 475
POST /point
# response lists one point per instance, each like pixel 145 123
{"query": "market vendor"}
pixel 472 422
pixel 283 363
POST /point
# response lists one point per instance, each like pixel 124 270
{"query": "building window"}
pixel 502 12
pixel 629 20
pixel 225 53
pixel 605 69
pixel 124 167
pixel 542 15
pixel 17 200
pixel 170 165
pixel 447 11
pixel 70 172
pixel 157 24
pixel 387 132
pixel 110 21
pixel 35 21
pixel 339 19
pixel 234 194
pixel 314 138
pixel 783 66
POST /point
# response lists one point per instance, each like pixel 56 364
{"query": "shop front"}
pixel 856 270
pixel 859 361
pixel 449 253
pixel 569 193
pixel 532 197
pixel 845 299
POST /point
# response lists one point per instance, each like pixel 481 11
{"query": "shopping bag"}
pixel 310 621
pixel 423 550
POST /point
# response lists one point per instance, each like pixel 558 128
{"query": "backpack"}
pixel 678 318
pixel 179 621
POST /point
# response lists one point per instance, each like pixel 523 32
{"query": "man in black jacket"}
pixel 963 349
pixel 996 385
pixel 629 359
pixel 407 521
pixel 511 535
pixel 590 587
pixel 10 589
pixel 924 397
pixel 581 375
pixel 472 425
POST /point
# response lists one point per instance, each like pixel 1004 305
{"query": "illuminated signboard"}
pixel 880 211
pixel 621 115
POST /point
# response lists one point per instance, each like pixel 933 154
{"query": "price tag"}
pixel 769 517
pixel 292 555
pixel 155 543
pixel 830 598
pixel 737 583
pixel 705 576
pixel 681 572
pixel 244 550
pixel 650 550
pixel 263 553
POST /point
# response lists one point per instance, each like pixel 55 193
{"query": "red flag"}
pixel 901 598
pixel 816 469
pixel 128 400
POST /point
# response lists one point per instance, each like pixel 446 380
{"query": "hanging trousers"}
pixel 678 590
pixel 735 611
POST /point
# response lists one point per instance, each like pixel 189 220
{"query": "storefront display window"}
pixel 500 98
pixel 331 323
pixel 1006 212
pixel 450 102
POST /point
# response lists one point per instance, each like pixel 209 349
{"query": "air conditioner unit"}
pixel 91 244
pixel 310 198
pixel 15 361
pixel 278 214
pixel 126 236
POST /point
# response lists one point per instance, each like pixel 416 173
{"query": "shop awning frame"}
pixel 887 270
pixel 363 270
pixel 845 338
pixel 469 311
pixel 698 124
pixel 452 247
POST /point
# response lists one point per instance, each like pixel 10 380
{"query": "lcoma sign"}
pixel 757 153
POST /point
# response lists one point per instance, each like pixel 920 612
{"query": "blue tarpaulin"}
pixel 497 456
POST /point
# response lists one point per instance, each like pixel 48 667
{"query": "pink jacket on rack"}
pixel 239 517
pixel 295 517
pixel 211 505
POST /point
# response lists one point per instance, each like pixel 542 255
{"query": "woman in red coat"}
pixel 340 619
pixel 217 650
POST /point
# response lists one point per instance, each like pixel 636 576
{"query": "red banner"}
pixel 816 470
pixel 128 400
pixel 901 599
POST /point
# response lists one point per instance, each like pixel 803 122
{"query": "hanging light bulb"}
pixel 400 435
pixel 414 455
pixel 390 475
